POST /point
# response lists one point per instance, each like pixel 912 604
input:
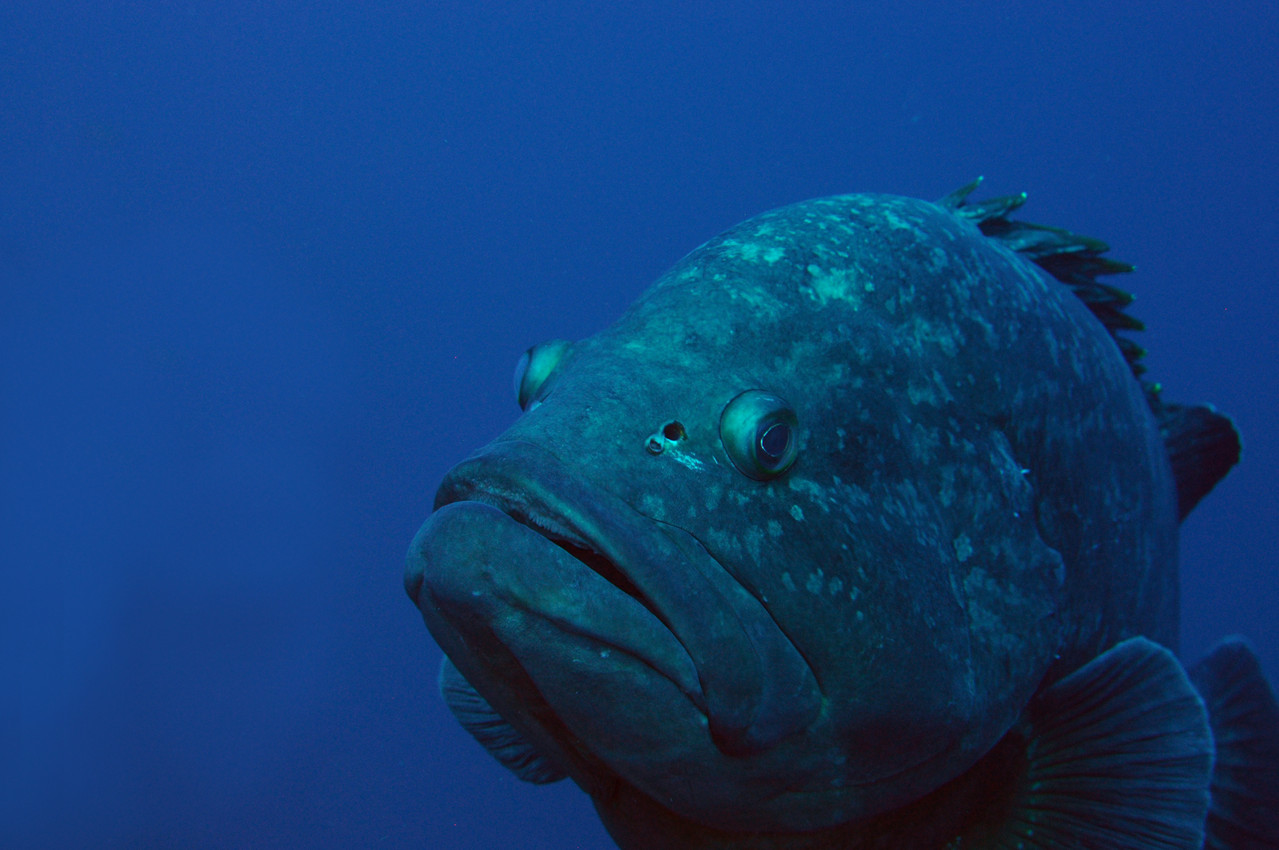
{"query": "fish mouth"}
pixel 520 545
pixel 628 624
pixel 553 520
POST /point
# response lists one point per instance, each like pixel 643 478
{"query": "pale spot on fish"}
pixel 711 497
pixel 797 512
pixel 921 393
pixel 815 582
pixel 653 506
pixel 787 581
pixel 897 222
pixel 829 285
pixel 774 528
pixel 963 548
pixel 754 540
pixel 725 541
pixel 813 490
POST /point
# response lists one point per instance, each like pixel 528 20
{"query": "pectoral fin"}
pixel 1244 814
pixel 1118 755
pixel 497 736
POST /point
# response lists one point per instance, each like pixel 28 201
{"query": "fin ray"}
pixel 493 733
pixel 1244 814
pixel 1118 758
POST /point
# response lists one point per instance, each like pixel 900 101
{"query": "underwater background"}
pixel 266 269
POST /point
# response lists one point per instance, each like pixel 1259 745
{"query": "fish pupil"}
pixel 773 440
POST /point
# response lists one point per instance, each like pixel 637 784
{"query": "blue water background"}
pixel 265 269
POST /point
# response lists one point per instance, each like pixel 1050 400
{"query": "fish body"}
pixel 858 511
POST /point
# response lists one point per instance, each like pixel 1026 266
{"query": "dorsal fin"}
pixel 1070 258
pixel 1202 444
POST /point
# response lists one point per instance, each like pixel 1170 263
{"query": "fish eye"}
pixel 758 432
pixel 534 367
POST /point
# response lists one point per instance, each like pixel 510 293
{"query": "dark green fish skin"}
pixel 980 503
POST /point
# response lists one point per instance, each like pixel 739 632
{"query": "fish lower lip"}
pixel 752 684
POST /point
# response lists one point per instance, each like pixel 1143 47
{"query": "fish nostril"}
pixel 670 432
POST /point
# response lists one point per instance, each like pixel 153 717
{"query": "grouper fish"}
pixel 858 529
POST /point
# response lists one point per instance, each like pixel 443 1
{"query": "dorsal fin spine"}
pixel 1071 258
pixel 1202 444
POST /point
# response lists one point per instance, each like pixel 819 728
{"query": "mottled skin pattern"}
pixel 981 503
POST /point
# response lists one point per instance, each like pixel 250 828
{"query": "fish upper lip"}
pixel 554 525
pixel 752 683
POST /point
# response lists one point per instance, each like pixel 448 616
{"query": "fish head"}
pixel 747 550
